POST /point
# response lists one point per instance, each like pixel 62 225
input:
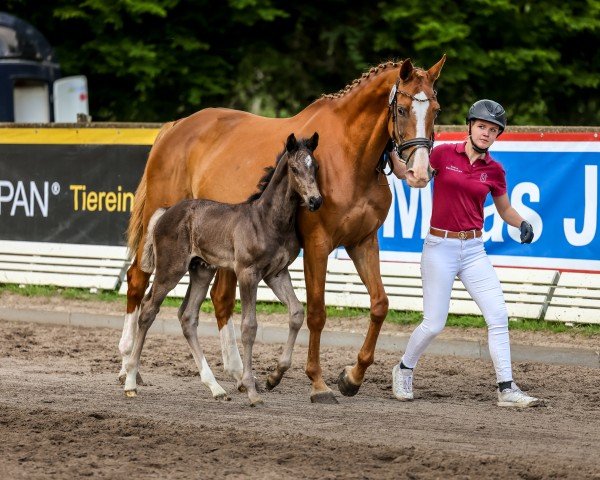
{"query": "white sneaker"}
pixel 514 397
pixel 402 383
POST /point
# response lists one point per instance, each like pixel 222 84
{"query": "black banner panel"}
pixel 68 193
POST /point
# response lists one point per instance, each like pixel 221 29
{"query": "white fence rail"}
pixel 529 293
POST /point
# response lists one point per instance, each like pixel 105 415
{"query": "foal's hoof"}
pixel 222 396
pixel 242 388
pixel 324 397
pixel 130 393
pixel 272 383
pixel 346 387
pixel 123 377
pixel 257 403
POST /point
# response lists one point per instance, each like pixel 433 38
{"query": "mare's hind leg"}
pixel 137 282
pixel 223 297
pixel 188 316
pixel 165 280
pixel 281 284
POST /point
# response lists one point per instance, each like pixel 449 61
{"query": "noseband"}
pixel 398 142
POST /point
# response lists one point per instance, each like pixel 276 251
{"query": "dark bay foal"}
pixel 256 239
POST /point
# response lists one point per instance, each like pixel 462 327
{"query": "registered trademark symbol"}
pixel 55 188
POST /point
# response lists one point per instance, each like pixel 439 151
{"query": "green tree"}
pixel 155 60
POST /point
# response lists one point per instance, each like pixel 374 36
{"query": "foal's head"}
pixel 302 169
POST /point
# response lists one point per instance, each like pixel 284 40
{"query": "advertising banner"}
pixel 77 186
pixel 68 185
pixel 552 181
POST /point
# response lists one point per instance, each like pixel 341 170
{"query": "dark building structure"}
pixel 28 69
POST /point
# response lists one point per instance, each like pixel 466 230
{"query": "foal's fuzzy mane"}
pixel 269 171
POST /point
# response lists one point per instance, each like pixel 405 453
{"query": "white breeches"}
pixel 442 260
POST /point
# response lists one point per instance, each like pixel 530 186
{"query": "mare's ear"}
pixel 405 70
pixel 434 72
pixel 291 144
pixel 313 142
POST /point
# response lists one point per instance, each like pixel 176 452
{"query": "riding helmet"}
pixel 489 111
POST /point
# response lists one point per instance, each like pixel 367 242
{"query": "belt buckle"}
pixel 462 235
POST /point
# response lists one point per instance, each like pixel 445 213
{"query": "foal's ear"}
pixel 313 142
pixel 405 70
pixel 291 144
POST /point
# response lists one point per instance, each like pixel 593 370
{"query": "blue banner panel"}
pixel 554 185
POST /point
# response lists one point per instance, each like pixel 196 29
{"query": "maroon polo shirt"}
pixel 459 188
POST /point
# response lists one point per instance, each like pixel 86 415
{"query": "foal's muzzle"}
pixel 314 203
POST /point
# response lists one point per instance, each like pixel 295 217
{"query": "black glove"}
pixel 526 232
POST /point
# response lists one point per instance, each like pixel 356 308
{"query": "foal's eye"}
pixel 294 170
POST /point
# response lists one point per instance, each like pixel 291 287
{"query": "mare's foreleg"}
pixel 188 316
pixel 248 285
pixel 137 282
pixel 366 260
pixel 223 297
pixel 281 284
pixel 316 251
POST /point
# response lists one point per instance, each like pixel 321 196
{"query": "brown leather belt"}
pixel 464 235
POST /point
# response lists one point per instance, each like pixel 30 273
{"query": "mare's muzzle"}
pixel 314 203
pixel 409 161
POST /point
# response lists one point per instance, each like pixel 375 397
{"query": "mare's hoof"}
pixel 324 397
pixel 346 387
pixel 130 393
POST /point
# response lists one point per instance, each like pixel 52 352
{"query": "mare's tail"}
pixel 135 230
pixel 148 256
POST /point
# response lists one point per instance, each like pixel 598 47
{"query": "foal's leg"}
pixel 281 284
pixel 188 316
pixel 222 295
pixel 248 280
pixel 163 284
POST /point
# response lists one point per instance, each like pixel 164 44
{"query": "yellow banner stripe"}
pixel 81 136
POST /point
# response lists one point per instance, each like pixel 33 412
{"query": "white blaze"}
pixel 308 161
pixel 420 109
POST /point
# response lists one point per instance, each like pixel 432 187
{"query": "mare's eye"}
pixel 437 112
pixel 402 111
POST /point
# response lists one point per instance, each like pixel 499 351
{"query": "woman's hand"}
pixel 526 232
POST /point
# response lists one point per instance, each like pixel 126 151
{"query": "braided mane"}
pixel 371 72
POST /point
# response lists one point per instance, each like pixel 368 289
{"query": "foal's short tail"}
pixel 148 257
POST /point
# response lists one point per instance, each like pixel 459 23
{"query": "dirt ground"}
pixel 63 415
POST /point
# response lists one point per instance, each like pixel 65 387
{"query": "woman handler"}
pixel 465 174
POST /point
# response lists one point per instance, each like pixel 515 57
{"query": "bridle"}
pixel 397 141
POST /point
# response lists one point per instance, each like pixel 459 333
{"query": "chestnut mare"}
pixel 219 154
